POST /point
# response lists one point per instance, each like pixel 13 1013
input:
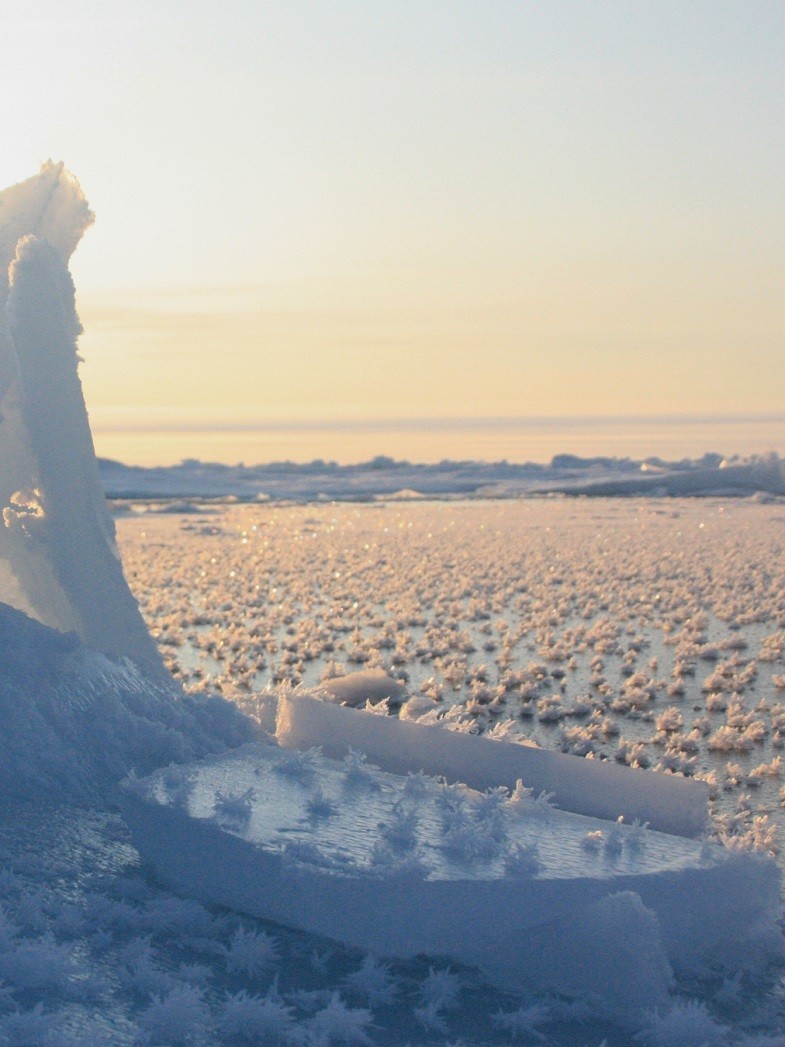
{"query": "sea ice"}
pixel 667 803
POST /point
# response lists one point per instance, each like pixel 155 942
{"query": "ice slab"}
pixel 668 803
pixel 407 865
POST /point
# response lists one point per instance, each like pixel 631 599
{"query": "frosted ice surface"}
pixel 273 793
pixel 403 866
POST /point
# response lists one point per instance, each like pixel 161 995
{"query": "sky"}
pixel 315 211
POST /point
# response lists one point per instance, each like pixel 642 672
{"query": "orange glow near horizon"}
pixel 555 344
pixel 327 211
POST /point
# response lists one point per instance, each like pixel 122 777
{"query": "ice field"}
pixel 648 633
pixel 94 951
pixel 189 856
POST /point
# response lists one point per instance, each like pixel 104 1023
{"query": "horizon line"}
pixel 225 424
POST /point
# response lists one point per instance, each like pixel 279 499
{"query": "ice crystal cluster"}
pixel 645 632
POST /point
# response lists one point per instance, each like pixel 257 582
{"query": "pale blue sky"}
pixel 409 208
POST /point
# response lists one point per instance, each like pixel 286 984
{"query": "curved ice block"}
pixel 534 897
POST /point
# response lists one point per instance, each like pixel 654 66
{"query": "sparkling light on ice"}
pixel 343 875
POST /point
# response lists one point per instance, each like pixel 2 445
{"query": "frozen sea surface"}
pixel 92 952
pixel 648 632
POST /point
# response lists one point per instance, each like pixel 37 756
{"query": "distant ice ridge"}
pixel 385 478
pixel 58 560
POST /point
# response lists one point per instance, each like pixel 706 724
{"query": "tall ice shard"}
pixel 58 558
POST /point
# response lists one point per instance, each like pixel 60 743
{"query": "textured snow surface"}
pixel 74 722
pixel 650 634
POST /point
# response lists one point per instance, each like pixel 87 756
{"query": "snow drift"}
pixel 74 722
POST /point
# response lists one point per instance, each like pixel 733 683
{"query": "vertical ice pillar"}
pixel 58 559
